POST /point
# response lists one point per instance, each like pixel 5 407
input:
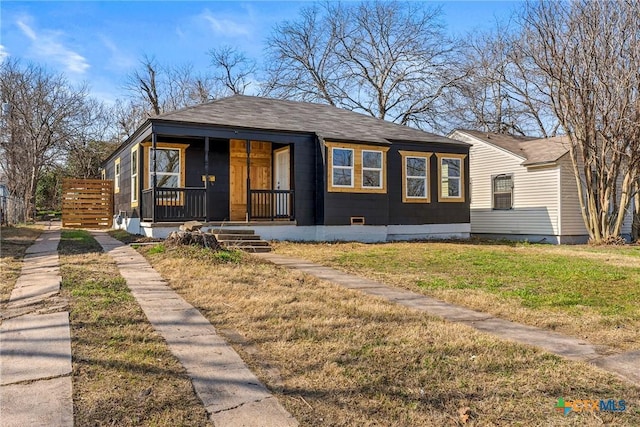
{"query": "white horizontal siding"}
pixel 572 222
pixel 535 194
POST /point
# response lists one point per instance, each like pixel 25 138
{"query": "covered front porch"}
pixel 213 179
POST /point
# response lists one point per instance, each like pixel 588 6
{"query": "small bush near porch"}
pixel 334 356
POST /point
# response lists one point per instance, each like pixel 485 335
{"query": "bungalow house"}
pixel 289 170
pixel 524 188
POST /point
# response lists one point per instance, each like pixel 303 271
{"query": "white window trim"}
pixel 136 164
pixel 350 168
pixel 379 170
pixel 447 178
pixel 116 175
pixel 424 178
pixel 493 192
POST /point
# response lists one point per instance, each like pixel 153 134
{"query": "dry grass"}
pixel 14 241
pixel 123 372
pixel 336 357
pixel 581 291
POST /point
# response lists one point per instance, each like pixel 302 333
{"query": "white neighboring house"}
pixel 524 188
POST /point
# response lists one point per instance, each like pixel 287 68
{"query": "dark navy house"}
pixel 290 170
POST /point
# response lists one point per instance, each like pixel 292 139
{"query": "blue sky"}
pixel 100 42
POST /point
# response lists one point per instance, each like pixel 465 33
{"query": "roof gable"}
pixel 534 151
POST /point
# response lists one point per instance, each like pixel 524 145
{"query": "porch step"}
pixel 232 236
pixel 228 231
pixel 245 240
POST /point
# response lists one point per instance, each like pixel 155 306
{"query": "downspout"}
pixel 154 144
pixel 206 179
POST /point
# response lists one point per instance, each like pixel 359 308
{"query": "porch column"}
pixel 154 168
pixel 248 214
pixel 206 179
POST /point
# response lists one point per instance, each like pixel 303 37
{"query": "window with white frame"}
pixel 134 176
pixel 116 176
pixel 502 189
pixel 416 178
pixel 450 178
pixel 371 169
pixel 342 166
pixel 167 167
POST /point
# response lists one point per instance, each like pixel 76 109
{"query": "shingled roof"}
pixel 251 112
pixel 534 151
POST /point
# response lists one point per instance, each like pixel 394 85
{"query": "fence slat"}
pixel 87 203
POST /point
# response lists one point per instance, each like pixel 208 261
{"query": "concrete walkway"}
pixel 35 343
pixel 231 393
pixel 626 365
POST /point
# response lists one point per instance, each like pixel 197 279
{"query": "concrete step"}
pixel 233 236
pixel 240 243
pixel 256 249
pixel 245 240
pixel 230 231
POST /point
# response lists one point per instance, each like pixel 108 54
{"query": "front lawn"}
pixel 582 291
pixel 337 357
pixel 14 242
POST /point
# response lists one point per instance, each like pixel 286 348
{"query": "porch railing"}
pixel 187 203
pixel 271 204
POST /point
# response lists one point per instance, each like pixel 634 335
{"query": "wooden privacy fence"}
pixel 87 203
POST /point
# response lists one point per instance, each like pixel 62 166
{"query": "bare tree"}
pixel 234 70
pixel 155 89
pixel 39 119
pixel 390 60
pixel 589 52
pixel 503 91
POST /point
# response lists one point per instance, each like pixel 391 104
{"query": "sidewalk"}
pixel 625 365
pixel 231 393
pixel 35 343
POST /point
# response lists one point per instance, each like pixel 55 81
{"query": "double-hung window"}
pixel 356 168
pixel 167 167
pixel 116 173
pixel 502 189
pixel 342 163
pixel 371 169
pixel 451 173
pixel 415 177
pixel 134 176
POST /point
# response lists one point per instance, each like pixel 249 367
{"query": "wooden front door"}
pixel 260 174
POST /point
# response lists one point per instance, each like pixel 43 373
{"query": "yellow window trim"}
pixel 147 165
pixel 116 177
pixel 134 193
pixel 419 154
pixel 103 174
pixel 447 199
pixel 357 186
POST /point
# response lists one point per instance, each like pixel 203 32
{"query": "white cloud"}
pixel 118 58
pixel 224 26
pixel 3 53
pixel 46 46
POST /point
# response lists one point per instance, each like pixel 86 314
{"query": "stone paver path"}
pixel 626 365
pixel 231 393
pixel 35 343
